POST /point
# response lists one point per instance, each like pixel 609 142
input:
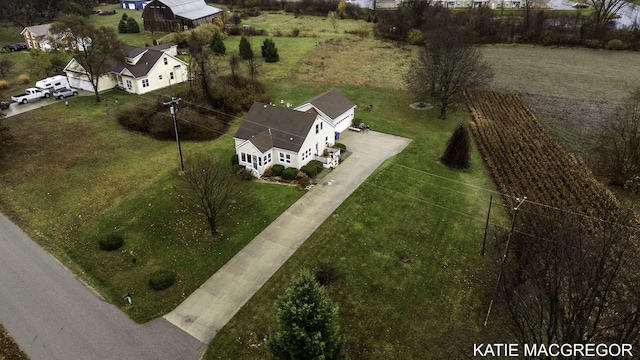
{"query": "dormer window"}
pixel 166 61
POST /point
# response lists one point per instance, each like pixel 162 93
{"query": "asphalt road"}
pixel 53 316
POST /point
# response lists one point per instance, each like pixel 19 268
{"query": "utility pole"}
pixel 506 251
pixel 174 109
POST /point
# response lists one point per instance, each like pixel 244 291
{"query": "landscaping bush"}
pixel 111 242
pixel 303 179
pixel 327 274
pixel 277 169
pixel 615 44
pixel 310 170
pixel 234 159
pixel 162 279
pixel 318 165
pixel 268 172
pixel 341 146
pixel 241 172
pixel 289 173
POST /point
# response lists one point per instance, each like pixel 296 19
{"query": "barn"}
pixel 175 15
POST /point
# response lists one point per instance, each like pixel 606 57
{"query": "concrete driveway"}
pixel 15 108
pixel 210 307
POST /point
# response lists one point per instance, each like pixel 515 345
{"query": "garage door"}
pixel 80 84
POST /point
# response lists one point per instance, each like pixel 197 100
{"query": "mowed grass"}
pixel 74 176
pixel 406 243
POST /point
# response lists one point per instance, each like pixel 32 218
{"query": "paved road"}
pixel 210 307
pixel 53 316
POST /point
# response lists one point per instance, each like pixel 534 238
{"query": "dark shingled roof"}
pixel 146 62
pixel 268 126
pixel 331 103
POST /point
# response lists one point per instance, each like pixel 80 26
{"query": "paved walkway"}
pixel 210 307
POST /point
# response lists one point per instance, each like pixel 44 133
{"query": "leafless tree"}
pixel 570 279
pixel 445 68
pixel 605 11
pixel 208 186
pixel 621 138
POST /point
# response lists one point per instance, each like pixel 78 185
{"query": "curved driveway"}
pixel 53 316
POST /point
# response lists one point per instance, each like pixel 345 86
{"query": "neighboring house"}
pixel 39 37
pixel 132 4
pixel 272 134
pixel 145 70
pixel 176 15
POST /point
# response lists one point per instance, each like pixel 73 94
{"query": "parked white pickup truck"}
pixel 31 94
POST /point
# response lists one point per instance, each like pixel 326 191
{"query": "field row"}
pixel 526 161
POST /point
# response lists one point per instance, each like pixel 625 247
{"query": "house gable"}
pixel 332 105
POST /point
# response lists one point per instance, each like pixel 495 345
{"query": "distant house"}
pixel 145 70
pixel 272 134
pixel 132 4
pixel 175 15
pixel 40 37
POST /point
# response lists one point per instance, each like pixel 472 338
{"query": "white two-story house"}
pixel 273 134
pixel 144 70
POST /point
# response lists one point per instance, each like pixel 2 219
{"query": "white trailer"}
pixel 53 83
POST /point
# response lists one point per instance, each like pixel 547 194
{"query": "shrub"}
pixel 341 146
pixel 269 51
pixel 592 43
pixel 4 84
pixel 24 78
pixel 295 32
pixel 327 274
pixel 241 172
pixel 317 164
pixel 111 242
pixel 268 172
pixel 414 37
pixel 303 179
pixel 162 279
pixel 132 26
pixel 615 44
pixel 277 169
pixel 289 173
pixel 234 159
pixel 310 170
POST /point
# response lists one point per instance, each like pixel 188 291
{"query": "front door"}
pixel 255 162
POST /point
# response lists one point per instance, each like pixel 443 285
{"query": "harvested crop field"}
pixel 357 61
pixel 525 161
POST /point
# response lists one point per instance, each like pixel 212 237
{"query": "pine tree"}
pixel 217 45
pixel 306 321
pixel 269 51
pixel 132 26
pixel 246 52
pixel 458 150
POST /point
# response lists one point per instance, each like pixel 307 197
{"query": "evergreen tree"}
pixel 217 45
pixel 246 52
pixel 122 25
pixel 306 320
pixel 269 51
pixel 132 26
pixel 458 150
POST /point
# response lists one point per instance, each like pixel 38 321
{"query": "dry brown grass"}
pixel 9 350
pixel 357 61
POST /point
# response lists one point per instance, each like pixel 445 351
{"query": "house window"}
pixel 159 77
pixel 166 61
pixel 317 128
pixel 320 126
pixel 129 84
pixel 170 76
pixel 244 157
pixel 284 158
pixel 259 160
pixel 267 159
pixel 145 83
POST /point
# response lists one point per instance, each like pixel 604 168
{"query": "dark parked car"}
pixel 64 92
pixel 15 47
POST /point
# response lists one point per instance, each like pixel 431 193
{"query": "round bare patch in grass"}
pixel 111 242
pixel 421 105
pixel 162 279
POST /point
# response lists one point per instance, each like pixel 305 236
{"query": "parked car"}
pixel 64 92
pixel 15 47
pixel 31 94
